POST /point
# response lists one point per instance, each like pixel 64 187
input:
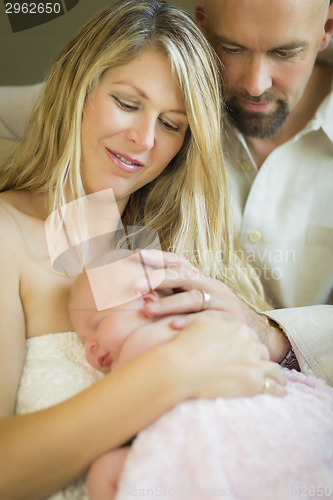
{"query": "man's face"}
pixel 268 49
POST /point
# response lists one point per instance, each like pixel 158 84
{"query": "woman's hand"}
pixel 182 276
pixel 226 359
pixel 174 271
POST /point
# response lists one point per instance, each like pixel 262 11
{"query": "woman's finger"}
pixel 263 377
pixel 273 388
pixel 159 259
pixel 180 303
pixel 183 277
pixel 180 322
pixel 273 379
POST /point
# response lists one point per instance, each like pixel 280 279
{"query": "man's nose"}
pixel 257 76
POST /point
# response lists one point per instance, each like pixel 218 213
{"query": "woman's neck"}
pixel 34 205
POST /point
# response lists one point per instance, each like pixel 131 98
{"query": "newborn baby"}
pixel 112 337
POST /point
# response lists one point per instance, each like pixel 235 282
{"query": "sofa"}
pixel 15 105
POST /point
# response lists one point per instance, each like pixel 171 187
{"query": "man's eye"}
pixel 124 105
pixel 231 50
pixel 284 54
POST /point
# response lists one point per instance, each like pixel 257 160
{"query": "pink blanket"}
pixel 244 448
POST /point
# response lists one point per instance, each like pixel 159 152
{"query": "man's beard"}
pixel 257 124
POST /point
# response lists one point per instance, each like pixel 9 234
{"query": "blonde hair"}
pixel 187 204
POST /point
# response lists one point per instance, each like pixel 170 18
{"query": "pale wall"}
pixel 25 56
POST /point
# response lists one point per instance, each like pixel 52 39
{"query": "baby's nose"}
pixel 91 345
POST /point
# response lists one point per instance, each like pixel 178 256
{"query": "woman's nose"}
pixel 143 133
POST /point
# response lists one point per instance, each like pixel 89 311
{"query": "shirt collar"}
pixel 324 114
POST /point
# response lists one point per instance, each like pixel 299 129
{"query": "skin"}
pixel 104 474
pixel 105 333
pixel 34 300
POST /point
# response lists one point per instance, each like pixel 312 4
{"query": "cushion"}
pixel 7 146
pixel 15 105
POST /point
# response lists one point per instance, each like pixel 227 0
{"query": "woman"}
pixel 147 66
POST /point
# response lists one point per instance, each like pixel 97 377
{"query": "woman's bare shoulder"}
pixel 8 209
pixel 14 200
pixel 11 223
pixel 12 315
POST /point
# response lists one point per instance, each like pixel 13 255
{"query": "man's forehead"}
pixel 297 4
pixel 288 8
pixel 260 24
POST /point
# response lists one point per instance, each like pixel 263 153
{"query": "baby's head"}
pixel 103 332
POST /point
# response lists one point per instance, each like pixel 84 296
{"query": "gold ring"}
pixel 205 299
pixel 266 387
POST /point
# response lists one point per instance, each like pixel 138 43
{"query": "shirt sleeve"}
pixel 310 333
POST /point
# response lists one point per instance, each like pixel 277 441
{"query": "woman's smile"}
pixel 124 162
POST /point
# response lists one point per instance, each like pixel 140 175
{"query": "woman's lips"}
pixel 124 162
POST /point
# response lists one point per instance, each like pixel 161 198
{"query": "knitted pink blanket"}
pixel 255 448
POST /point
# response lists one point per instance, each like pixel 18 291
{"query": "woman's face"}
pixel 134 123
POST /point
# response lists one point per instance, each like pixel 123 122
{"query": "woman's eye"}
pixel 124 105
pixel 168 126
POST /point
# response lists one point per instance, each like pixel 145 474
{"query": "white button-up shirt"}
pixel 284 218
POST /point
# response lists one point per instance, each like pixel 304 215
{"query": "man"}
pixel 279 141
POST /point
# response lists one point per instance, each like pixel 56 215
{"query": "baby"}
pixel 112 337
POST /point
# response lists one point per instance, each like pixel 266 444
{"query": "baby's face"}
pixel 103 333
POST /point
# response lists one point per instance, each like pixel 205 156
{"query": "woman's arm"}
pixel 12 324
pixel 43 451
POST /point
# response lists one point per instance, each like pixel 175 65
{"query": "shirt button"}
pixel 254 237
pixel 246 166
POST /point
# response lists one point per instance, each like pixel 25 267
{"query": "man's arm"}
pixel 310 333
